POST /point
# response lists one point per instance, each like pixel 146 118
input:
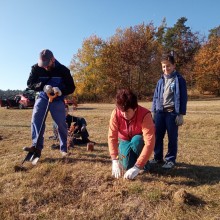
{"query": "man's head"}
pixel 46 59
pixel 126 101
pixel 168 64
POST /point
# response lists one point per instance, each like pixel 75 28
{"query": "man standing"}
pixel 48 76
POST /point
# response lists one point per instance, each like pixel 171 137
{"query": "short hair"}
pixel 126 99
pixel 168 57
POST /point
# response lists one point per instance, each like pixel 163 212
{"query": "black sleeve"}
pixel 33 81
pixel 83 121
pixel 68 120
pixel 69 86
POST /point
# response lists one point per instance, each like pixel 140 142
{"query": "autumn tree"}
pixel 207 67
pixel 85 68
pixel 137 49
pixel 127 59
pixel 131 58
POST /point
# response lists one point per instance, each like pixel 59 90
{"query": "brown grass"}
pixel 81 187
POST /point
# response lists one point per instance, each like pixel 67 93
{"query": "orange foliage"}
pixel 207 67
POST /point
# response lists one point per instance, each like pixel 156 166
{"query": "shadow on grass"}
pixel 70 160
pixel 16 126
pixel 193 200
pixel 84 108
pixel 97 144
pixel 102 144
pixel 196 175
pixel 16 108
pixel 92 155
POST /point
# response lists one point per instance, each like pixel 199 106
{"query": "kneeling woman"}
pixel 131 135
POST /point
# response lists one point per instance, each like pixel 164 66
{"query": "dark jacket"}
pixel 78 121
pixel 180 95
pixel 58 77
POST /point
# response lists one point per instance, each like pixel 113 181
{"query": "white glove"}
pixel 116 171
pixel 132 172
pixel 179 120
pixel 48 89
pixel 83 128
pixel 57 90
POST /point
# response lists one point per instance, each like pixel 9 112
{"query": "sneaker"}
pixel 154 161
pixel 63 153
pixel 168 165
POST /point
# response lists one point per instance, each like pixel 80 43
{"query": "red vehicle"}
pixel 21 101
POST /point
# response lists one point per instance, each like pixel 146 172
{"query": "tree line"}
pixel 131 58
pixel 9 93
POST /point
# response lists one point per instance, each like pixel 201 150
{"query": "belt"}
pixel 170 109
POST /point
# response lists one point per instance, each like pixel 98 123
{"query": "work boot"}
pixel 33 149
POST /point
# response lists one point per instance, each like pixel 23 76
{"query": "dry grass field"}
pixel 81 186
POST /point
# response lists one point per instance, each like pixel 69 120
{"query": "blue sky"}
pixel 28 26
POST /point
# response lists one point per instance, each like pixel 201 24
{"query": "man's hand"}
pixel 132 172
pixel 48 89
pixel 57 90
pixel 179 120
pixel 116 171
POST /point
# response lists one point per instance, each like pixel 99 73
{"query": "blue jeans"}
pixel 129 151
pixel 57 110
pixel 165 121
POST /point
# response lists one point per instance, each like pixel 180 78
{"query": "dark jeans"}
pixel 57 110
pixel 165 121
